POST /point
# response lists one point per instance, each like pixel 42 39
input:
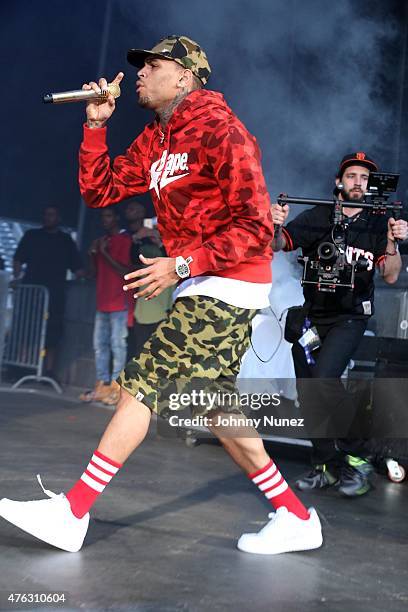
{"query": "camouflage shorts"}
pixel 199 345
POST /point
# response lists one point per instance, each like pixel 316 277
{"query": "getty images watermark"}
pixel 223 403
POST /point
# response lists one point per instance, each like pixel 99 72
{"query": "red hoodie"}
pixel 206 182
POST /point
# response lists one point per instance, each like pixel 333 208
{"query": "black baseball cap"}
pixel 357 159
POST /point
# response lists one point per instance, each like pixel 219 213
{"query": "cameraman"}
pixel 339 317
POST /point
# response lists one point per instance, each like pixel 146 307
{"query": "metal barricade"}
pixel 4 291
pixel 25 341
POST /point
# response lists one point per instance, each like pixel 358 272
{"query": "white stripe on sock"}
pixel 101 475
pixel 96 486
pixel 105 465
pixel 277 490
pixel 270 483
pixel 269 472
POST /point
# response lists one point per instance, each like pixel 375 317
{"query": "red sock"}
pixel 85 492
pixel 270 481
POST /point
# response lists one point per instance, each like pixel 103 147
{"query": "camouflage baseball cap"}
pixel 181 49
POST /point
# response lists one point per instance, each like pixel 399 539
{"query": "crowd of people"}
pixel 44 256
pixel 214 243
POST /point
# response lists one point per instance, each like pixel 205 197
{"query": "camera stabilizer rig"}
pixel 331 270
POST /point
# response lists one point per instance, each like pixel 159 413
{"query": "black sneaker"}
pixel 355 476
pixel 319 478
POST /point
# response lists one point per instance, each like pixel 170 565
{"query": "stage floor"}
pixel 163 534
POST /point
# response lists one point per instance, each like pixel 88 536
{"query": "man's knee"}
pixel 245 439
pixel 128 401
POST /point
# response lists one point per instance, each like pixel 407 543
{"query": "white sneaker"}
pixel 50 520
pixel 285 532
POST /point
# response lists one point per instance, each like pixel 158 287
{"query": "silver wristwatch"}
pixel 182 266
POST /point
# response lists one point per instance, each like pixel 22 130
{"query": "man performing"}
pixel 204 173
pixel 340 317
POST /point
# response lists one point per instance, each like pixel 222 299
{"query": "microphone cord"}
pixel 280 339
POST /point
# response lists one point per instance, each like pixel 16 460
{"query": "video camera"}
pixel 329 269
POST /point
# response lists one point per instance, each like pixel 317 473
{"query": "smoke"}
pixel 312 80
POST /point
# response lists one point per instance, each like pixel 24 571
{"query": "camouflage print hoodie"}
pixel 205 178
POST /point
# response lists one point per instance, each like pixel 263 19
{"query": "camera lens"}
pixel 327 251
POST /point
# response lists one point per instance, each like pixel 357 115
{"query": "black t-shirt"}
pixel 48 256
pixel 366 238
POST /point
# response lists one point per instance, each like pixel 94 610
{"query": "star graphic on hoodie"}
pixel 162 175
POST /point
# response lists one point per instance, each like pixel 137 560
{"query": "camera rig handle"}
pixel 375 206
pixel 277 227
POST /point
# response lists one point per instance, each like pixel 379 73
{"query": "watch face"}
pixel 183 270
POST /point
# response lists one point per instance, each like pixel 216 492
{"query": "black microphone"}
pixel 80 95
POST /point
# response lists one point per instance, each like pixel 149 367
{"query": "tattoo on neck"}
pixel 166 112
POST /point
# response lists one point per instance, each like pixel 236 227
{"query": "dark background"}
pixel 312 80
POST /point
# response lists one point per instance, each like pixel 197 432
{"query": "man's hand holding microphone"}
pixel 99 111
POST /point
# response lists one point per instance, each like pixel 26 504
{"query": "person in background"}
pixel 145 241
pixel 135 214
pixel 339 317
pixel 48 253
pixel 110 260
